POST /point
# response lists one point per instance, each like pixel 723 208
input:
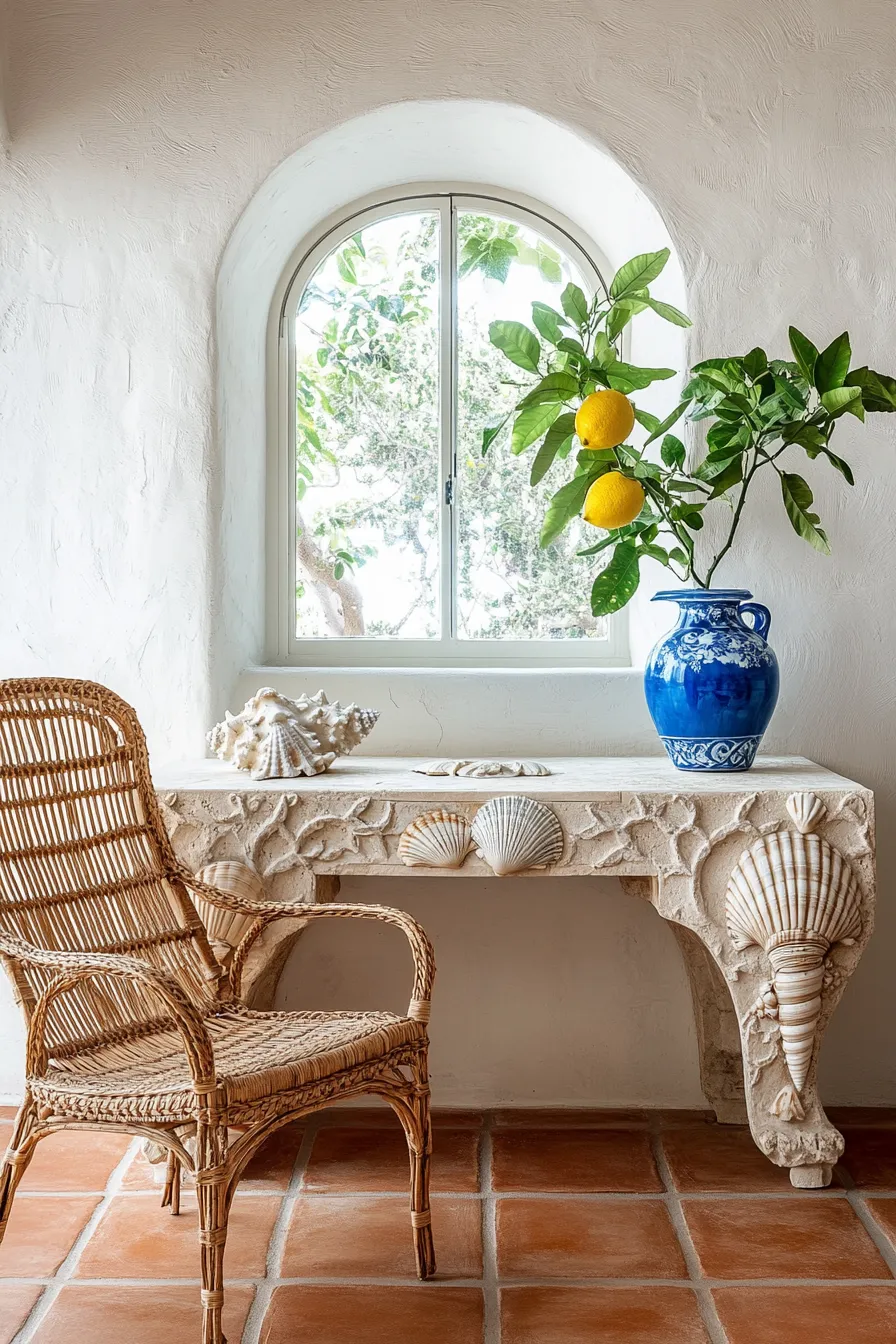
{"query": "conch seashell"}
pixel 278 738
pixel 515 833
pixel 795 896
pixel 435 840
pixel 226 928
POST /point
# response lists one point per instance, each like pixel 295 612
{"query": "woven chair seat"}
pixel 257 1055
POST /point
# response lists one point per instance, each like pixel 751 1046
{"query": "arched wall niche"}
pixel 478 144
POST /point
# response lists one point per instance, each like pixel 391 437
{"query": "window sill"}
pixel 504 711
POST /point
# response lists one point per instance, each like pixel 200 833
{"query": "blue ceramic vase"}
pixel 712 682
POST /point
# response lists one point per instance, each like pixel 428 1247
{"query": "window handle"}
pixel 449 491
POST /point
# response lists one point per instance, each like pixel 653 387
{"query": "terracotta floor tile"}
pixel 870 1157
pixel 374 1315
pixel 270 1169
pixel 375 1159
pixel 136 1239
pixel 41 1232
pixel 345 1236
pixel 75 1160
pixel 122 1314
pixel 884 1211
pixel 573 1160
pixel 569 1117
pixel 601 1316
pixel 8 1114
pixel 782 1239
pixel 815 1315
pixel 587 1239
pixel 720 1158
pixel 16 1301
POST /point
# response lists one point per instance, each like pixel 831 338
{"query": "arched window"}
pixel 401 542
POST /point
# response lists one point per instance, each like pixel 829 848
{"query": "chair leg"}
pixel 214 1208
pixel 420 1149
pixel 15 1163
pixel 171 1193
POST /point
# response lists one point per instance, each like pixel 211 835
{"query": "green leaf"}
pixel 618 583
pixel 732 475
pixel 559 434
pixel 574 305
pixel 531 423
pixel 646 420
pixel 612 539
pixel 630 378
pixel 669 421
pixel 878 389
pixel 756 362
pixel 621 314
pixel 655 552
pixel 665 310
pixel 805 353
pixel 555 387
pixel 842 399
pixel 638 272
pixel 517 342
pixel 604 354
pixel 547 321
pixel 843 467
pixel 798 501
pixel 832 364
pixel 673 451
pixel 345 268
pixel 491 432
pixel 567 503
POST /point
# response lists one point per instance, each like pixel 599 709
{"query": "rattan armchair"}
pixel 133 1024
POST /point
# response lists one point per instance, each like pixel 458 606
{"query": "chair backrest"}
pixel 86 864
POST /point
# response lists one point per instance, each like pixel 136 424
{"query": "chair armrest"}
pixel 72 967
pixel 267 911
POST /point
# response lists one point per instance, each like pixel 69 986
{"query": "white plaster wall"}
pixel 139 131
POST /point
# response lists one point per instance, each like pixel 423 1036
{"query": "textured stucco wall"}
pixel 139 130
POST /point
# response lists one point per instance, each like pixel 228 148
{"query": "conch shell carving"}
pixel 795 896
pixel 278 738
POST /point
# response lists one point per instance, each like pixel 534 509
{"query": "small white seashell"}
pixel 515 833
pixel 226 928
pixel 435 840
pixel 278 738
pixel 807 811
pixel 795 896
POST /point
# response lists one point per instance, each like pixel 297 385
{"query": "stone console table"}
pixel 767 879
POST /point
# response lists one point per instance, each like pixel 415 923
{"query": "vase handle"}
pixel 762 617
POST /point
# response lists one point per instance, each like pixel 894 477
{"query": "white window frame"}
pixel 446 651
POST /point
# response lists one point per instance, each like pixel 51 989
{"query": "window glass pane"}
pixel 367 436
pixel 507 588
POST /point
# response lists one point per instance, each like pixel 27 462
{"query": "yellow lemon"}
pixel 613 501
pixel 604 419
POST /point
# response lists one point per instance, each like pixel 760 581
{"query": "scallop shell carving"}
pixel 795 896
pixel 226 928
pixel 515 833
pixel 435 840
pixel 278 738
pixel 807 811
pixel 484 769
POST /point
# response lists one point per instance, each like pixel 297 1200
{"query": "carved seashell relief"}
pixel 226 928
pixel 515 833
pixel 277 738
pixel 795 896
pixel 483 769
pixel 435 840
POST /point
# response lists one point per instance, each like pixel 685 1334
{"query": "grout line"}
pixel 857 1200
pixel 491 1295
pixel 277 1244
pixel 66 1270
pixel 711 1322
